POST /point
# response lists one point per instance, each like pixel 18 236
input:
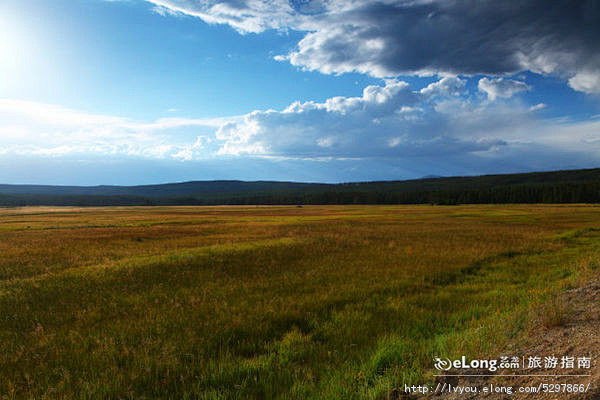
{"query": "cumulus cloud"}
pixel 437 125
pixel 500 87
pixel 388 38
pixel 386 121
pixel 447 86
pixel 439 129
pixel 390 120
pixel 586 81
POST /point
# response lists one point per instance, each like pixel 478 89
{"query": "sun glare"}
pixel 12 43
pixel 19 52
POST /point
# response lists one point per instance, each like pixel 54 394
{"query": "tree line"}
pixel 586 192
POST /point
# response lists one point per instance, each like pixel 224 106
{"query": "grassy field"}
pixel 336 302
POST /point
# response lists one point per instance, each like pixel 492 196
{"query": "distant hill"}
pixel 567 186
pixel 195 188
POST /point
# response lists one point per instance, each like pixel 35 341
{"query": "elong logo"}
pixel 447 364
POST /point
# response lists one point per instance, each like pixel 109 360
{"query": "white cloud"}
pixel 433 126
pixel 251 16
pixel 586 81
pixel 501 87
pixel 447 86
pixel 386 121
pixel 45 129
pixel 539 106
pixel 388 124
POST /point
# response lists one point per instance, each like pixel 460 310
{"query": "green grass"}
pixel 271 302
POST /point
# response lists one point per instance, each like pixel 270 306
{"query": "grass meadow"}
pixel 313 302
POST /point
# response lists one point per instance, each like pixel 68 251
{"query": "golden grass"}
pixel 270 302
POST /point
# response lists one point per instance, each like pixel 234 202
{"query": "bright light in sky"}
pixel 147 91
pixel 8 44
pixel 13 48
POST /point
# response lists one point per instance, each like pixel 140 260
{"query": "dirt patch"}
pixel 577 336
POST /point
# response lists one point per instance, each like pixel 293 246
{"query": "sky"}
pixel 133 92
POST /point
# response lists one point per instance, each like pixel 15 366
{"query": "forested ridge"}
pixel 570 186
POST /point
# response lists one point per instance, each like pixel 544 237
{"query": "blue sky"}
pixel 150 91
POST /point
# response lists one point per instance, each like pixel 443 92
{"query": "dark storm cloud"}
pixel 457 37
pixel 388 38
